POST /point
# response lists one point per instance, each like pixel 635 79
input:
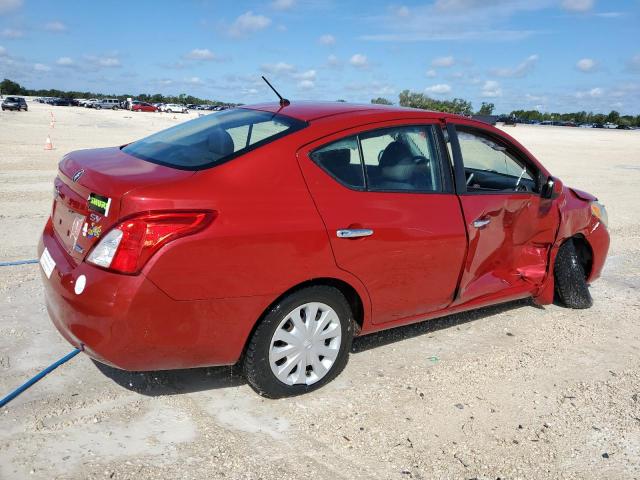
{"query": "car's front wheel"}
pixel 570 278
pixel 301 344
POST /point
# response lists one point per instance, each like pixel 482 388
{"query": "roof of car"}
pixel 308 111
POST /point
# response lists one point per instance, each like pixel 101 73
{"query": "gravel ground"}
pixel 513 391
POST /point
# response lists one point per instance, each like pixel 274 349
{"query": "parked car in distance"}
pixel 109 103
pixel 368 223
pixel 175 108
pixel 143 107
pixel 61 102
pixel 14 103
pixel 88 103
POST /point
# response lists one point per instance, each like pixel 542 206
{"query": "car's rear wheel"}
pixel 301 344
pixel 570 278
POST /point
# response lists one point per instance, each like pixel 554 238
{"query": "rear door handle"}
pixel 354 233
pixel 481 222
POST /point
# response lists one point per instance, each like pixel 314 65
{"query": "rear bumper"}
pixel 129 323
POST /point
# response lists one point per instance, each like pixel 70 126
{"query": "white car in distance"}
pixel 175 108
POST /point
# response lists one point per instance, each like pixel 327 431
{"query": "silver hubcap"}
pixel 305 345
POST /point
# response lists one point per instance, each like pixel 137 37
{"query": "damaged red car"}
pixel 271 235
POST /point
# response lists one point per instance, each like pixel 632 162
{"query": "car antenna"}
pixel 283 101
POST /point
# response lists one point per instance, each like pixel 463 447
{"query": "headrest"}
pixel 220 142
pixel 394 152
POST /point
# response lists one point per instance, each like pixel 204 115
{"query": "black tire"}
pixel 255 363
pixel 572 290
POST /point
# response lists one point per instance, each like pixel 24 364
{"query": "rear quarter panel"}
pixel 267 236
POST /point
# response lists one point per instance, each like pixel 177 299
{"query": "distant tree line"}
pixel 463 107
pixel 406 98
pixel 9 87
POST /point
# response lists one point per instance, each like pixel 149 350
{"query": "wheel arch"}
pixel 584 251
pixel 350 293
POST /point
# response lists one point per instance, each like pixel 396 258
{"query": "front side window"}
pixel 490 166
pixel 212 139
pixel 402 159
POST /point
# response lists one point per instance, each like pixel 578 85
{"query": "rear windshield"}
pixel 213 139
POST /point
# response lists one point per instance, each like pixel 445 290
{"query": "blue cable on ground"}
pixel 39 376
pixel 17 262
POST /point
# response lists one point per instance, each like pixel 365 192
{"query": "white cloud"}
pixel 610 14
pixel 194 81
pixel 358 60
pixel 64 61
pixel 307 75
pixel 374 88
pixel 431 73
pixel 327 39
pixel 11 33
pixel 278 68
pixel 283 4
pixel 56 26
pixel 439 89
pixel 333 61
pixel 535 98
pixel 593 93
pixel 586 65
pixel 443 62
pixel 107 61
pixel 520 70
pixel 633 65
pixel 39 67
pixel 306 84
pixel 9 5
pixel 201 54
pixel 578 5
pixel 402 11
pixel 3 51
pixel 491 89
pixel 449 20
pixel 248 23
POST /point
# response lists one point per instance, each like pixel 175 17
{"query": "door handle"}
pixel 354 233
pixel 481 222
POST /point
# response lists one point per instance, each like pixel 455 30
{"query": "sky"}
pixel 550 55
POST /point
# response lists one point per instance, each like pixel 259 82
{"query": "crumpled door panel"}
pixel 511 251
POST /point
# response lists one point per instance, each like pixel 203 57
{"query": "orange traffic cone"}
pixel 48 145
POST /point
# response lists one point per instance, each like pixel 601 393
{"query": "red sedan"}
pixel 143 107
pixel 273 235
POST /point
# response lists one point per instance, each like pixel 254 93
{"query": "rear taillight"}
pixel 129 245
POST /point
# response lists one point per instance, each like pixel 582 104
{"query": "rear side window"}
pixel 213 139
pixel 399 159
pixel 341 160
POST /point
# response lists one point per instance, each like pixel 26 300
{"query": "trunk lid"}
pixel 89 190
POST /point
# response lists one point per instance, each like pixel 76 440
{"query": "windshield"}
pixel 213 139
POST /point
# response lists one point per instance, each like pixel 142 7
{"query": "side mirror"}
pixel 552 188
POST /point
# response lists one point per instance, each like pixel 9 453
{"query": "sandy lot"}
pixel 514 391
